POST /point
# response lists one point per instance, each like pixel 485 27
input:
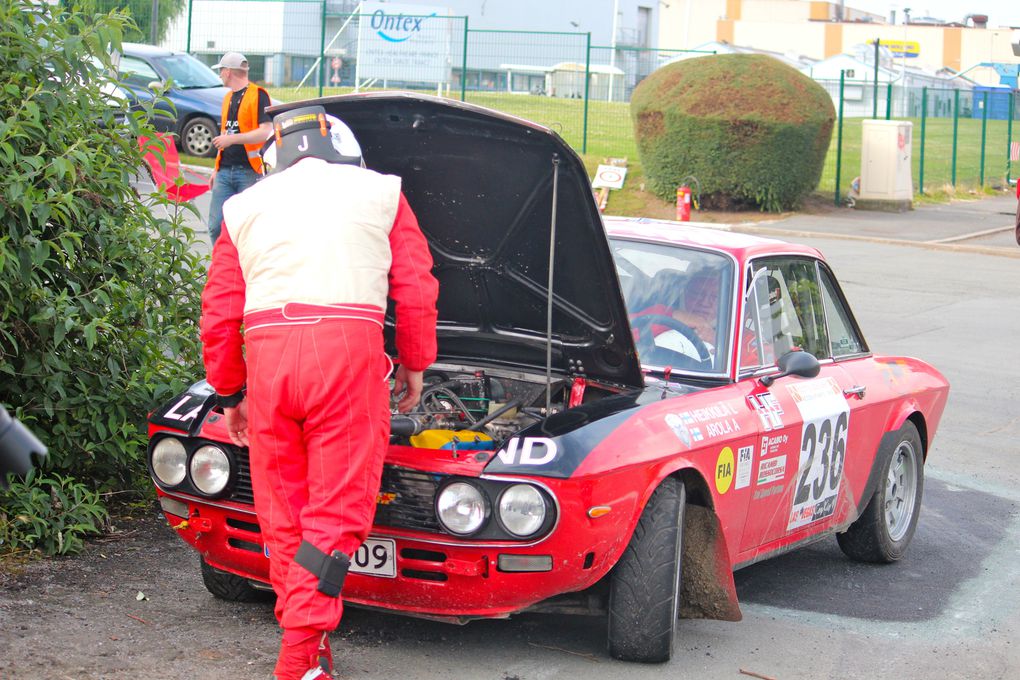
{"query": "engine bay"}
pixel 474 408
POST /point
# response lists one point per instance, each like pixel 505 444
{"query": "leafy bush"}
pixel 752 130
pixel 141 12
pixel 52 514
pixel 99 296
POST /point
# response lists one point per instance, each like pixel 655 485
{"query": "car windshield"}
pixel 678 301
pixel 188 72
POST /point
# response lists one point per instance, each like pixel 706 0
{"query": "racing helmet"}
pixel 309 132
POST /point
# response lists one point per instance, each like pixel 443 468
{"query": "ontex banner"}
pixel 405 43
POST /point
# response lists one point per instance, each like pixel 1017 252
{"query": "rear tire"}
pixel 883 531
pixel 644 596
pixel 229 587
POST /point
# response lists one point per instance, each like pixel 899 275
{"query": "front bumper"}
pixel 437 575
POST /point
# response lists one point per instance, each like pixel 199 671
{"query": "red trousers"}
pixel 318 417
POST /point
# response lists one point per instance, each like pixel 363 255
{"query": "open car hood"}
pixel 481 184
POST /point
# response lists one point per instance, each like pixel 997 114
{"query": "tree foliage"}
pixel 99 294
pixel 752 130
pixel 140 30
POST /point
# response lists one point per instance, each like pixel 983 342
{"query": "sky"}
pixel 1000 12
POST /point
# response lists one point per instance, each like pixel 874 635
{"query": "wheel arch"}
pixel 910 411
pixel 917 418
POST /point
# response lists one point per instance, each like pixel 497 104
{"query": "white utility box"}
pixel 886 181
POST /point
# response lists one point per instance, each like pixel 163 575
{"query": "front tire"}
pixel 229 587
pixel 883 531
pixel 644 596
pixel 197 136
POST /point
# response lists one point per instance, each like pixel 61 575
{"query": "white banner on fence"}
pixel 407 43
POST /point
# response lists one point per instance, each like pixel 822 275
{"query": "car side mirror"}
pixel 798 363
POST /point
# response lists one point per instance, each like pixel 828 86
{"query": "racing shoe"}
pixel 305 659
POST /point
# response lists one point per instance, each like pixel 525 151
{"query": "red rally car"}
pixel 623 412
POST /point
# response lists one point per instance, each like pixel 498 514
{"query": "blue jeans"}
pixel 230 180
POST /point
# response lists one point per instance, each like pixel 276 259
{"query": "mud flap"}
pixel 708 591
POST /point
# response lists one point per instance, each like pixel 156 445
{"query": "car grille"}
pixel 242 492
pixel 405 499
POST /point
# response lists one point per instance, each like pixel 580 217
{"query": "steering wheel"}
pixel 646 340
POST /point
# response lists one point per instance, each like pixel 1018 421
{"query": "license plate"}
pixel 376 557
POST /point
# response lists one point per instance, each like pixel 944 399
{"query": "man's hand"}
pixel 408 382
pixel 221 142
pixel 237 421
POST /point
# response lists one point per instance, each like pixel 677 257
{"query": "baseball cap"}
pixel 232 60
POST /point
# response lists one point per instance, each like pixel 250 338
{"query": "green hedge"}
pixel 751 130
pixel 99 294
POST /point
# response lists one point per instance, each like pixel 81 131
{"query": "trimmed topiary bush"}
pixel 752 130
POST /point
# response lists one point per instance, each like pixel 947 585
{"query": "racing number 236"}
pixel 829 442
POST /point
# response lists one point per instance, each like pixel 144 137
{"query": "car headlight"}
pixel 522 509
pixel 461 508
pixel 169 461
pixel 210 469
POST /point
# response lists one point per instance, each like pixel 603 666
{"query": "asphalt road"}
pixel 947 610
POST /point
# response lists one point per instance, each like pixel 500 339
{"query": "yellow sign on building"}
pixel 902 48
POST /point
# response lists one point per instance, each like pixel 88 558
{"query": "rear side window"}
pixel 843 334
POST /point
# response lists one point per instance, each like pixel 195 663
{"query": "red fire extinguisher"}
pixel 683 203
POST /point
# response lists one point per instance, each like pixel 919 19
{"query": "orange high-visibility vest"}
pixel 247 120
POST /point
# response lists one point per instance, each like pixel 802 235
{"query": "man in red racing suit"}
pixel 306 260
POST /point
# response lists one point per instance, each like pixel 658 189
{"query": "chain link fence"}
pixel 308 48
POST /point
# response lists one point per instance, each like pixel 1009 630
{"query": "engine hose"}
pixel 495 414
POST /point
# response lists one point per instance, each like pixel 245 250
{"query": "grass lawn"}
pixel 609 133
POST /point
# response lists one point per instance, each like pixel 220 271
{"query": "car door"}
pixel 805 424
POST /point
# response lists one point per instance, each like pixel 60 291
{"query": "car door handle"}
pixel 855 391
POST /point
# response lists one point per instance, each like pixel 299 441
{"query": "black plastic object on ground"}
pixel 17 446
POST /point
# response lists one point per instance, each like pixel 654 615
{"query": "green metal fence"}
pixel 308 48
pixel 962 138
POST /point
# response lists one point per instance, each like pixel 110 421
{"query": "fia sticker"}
pixel 745 458
pixel 724 470
pixel 178 412
pixel 528 451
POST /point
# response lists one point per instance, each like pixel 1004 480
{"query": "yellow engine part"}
pixel 451 439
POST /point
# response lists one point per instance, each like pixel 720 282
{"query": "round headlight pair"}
pixel 210 467
pixel 463 509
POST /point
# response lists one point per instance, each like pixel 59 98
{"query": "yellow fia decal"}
pixel 724 470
